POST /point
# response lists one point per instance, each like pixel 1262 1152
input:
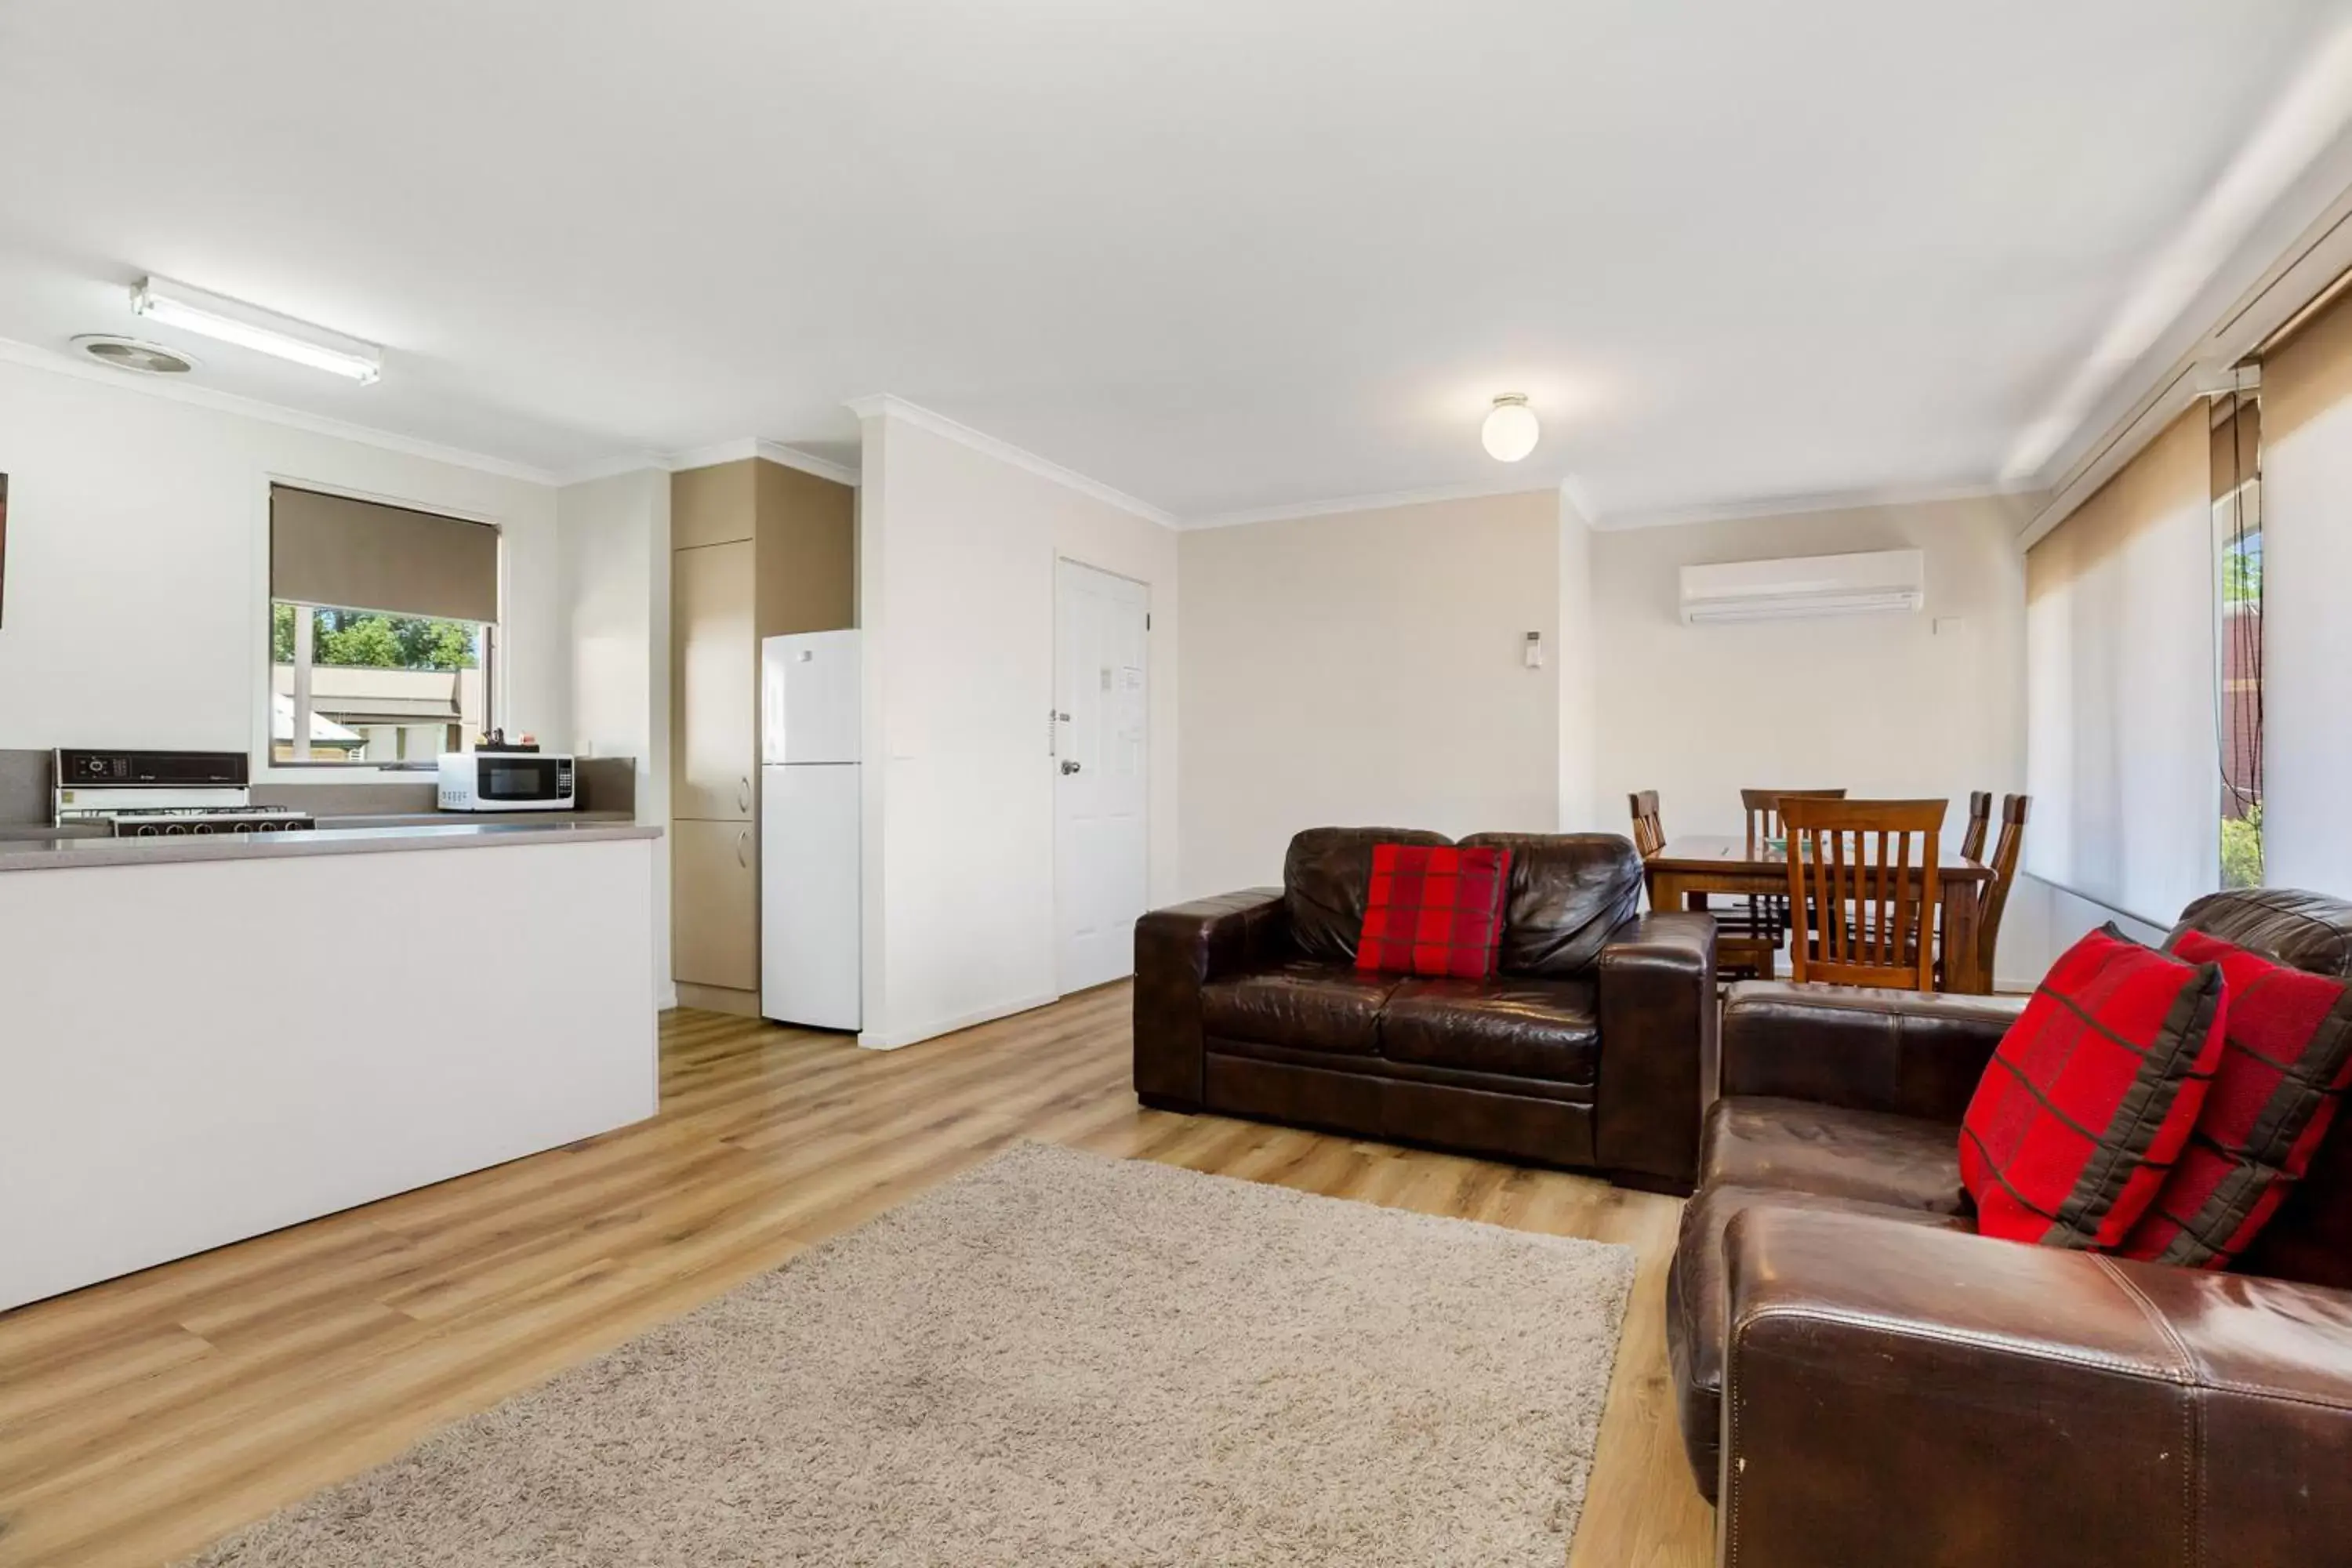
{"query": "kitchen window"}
pixel 383 631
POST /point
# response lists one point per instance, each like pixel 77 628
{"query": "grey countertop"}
pixel 483 818
pixel 65 852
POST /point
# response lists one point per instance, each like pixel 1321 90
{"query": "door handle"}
pixel 742 794
pixel 743 842
pixel 1068 766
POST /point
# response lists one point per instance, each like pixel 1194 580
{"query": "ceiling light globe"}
pixel 1511 431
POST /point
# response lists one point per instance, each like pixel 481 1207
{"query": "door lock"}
pixel 1068 766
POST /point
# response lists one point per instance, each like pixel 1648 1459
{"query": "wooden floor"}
pixel 141 1418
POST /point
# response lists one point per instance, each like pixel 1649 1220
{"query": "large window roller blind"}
pixel 360 555
pixel 2121 755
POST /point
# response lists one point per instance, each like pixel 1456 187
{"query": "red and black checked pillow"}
pixel 2085 1107
pixel 1434 909
pixel 2286 1061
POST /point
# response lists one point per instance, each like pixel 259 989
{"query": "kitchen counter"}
pixel 204 1038
pixel 60 851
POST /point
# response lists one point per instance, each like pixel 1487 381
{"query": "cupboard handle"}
pixel 742 794
pixel 743 842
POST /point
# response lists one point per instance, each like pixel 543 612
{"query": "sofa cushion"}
pixel 1433 909
pixel 1796 1145
pixel 1548 1029
pixel 2091 1094
pixel 1325 878
pixel 1568 892
pixel 1302 1003
pixel 2310 1238
pixel 2285 1057
pixel 1695 1302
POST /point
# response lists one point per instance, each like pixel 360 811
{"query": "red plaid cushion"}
pixel 2087 1104
pixel 1435 911
pixel 2284 1064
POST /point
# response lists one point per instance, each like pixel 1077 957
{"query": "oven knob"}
pixel 175 829
pixel 240 828
pixel 202 828
pixel 145 830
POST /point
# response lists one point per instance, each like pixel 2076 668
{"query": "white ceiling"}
pixel 1222 255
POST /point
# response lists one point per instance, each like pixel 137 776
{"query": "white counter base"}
pixel 197 1052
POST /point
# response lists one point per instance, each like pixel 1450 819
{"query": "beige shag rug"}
pixel 1054 1360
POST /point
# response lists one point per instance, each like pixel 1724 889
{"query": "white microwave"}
pixel 505 781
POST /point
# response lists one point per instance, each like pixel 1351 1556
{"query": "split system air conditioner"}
pixel 1872 582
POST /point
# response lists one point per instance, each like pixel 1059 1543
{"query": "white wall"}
pixel 135 606
pixel 1890 706
pixel 1366 669
pixel 614 536
pixel 956 552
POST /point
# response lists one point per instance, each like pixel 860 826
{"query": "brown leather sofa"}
pixel 1864 1380
pixel 1586 1049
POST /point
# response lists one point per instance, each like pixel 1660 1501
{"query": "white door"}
pixel 1101 703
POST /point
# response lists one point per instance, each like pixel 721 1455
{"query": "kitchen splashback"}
pixel 606 784
pixel 24 788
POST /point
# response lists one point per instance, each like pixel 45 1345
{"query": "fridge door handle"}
pixel 743 842
pixel 743 795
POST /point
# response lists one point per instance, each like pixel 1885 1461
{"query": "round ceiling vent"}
pixel 130 354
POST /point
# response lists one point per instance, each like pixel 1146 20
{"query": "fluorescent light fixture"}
pixel 250 326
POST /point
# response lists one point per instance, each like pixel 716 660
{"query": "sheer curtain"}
pixel 2121 755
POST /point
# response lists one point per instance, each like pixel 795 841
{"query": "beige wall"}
pixel 1898 705
pixel 1576 657
pixel 1365 669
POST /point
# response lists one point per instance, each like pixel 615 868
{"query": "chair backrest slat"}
pixel 1864 884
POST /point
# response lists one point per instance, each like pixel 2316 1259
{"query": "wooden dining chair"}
pixel 1863 889
pixel 1763 808
pixel 1979 818
pixel 1649 833
pixel 2007 850
pixel 1741 950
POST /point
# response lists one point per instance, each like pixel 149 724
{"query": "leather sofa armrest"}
pixel 1899 1393
pixel 1911 1053
pixel 1177 951
pixel 1657 1047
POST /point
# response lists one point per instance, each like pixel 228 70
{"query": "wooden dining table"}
pixel 1684 871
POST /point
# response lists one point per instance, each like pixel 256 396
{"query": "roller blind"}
pixel 2306 632
pixel 2121 758
pixel 360 555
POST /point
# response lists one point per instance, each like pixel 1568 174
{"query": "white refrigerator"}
pixel 809 849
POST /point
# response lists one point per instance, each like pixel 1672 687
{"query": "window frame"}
pixel 266 768
pixel 488 664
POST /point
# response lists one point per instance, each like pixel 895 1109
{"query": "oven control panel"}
pixel 109 769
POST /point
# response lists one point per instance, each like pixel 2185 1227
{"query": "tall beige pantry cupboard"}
pixel 760 550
